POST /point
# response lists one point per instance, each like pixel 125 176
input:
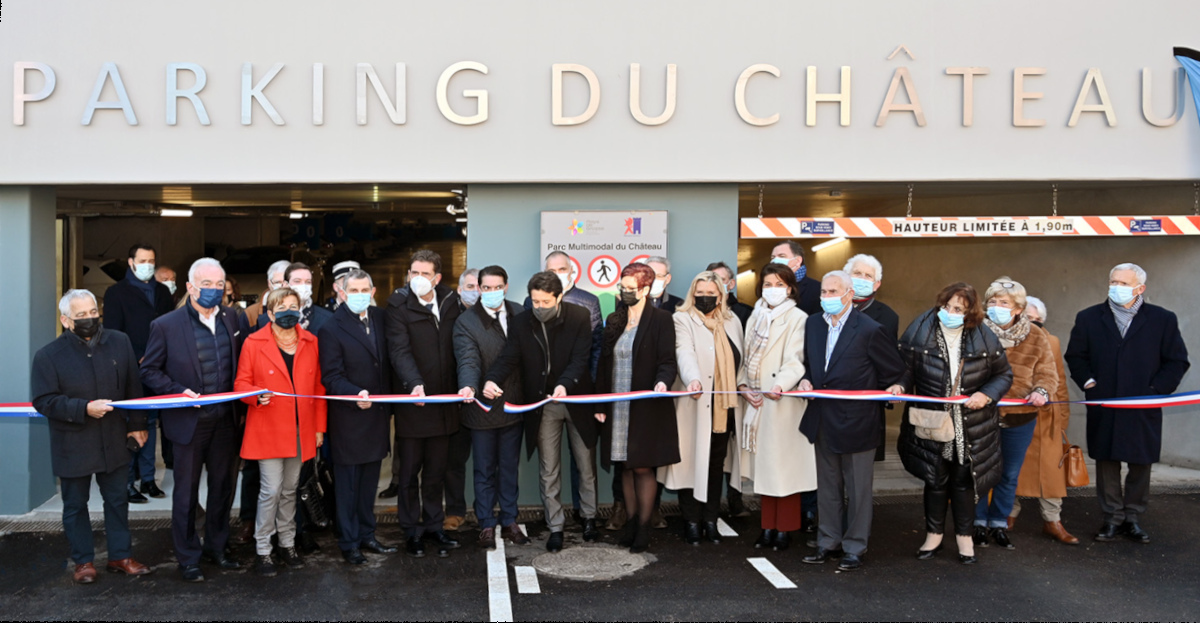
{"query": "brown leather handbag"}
pixel 1076 469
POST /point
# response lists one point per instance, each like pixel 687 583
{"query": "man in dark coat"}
pixel 73 380
pixel 867 273
pixel 550 345
pixel 130 305
pixel 479 338
pixel 729 279
pixel 808 290
pixel 420 332
pixel 194 350
pixel 659 297
pixel 845 349
pixel 1120 348
pixel 355 361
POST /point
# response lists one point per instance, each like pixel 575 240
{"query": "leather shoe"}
pixel 291 557
pixel 590 532
pixel 926 554
pixel 618 518
pixel 691 533
pixel 374 546
pixel 766 539
pixel 821 556
pixel 264 566
pixel 135 496
pixel 711 533
pixel 808 523
pixel 1134 532
pixel 487 538
pixel 152 490
pixel 415 547
pixel 245 533
pixel 967 560
pixel 1000 536
pixel 513 533
pixel 354 556
pixel 850 562
pixel 220 560
pixel 1057 532
pixel 390 492
pixel 85 573
pixel 1108 532
pixel 783 539
pixel 439 537
pixel 555 542
pixel 191 573
pixel 128 566
pixel 980 536
pixel 307 543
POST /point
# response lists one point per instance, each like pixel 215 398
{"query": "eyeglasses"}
pixel 1007 285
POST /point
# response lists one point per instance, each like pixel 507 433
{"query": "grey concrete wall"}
pixel 27 249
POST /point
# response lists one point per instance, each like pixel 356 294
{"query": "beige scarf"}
pixel 725 376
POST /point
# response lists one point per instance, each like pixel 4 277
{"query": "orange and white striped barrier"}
pixel 974 226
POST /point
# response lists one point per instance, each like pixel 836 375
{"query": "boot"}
pixel 628 533
pixel 1056 531
pixel 618 518
pixel 642 541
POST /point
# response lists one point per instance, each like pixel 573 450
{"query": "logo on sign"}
pixel 576 227
pixel 1145 225
pixel 816 228
pixel 633 226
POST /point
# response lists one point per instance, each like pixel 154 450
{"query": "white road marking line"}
pixel 771 573
pixel 724 530
pixel 499 599
pixel 527 581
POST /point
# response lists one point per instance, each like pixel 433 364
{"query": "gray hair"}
pixel 562 254
pixel 869 260
pixel 202 263
pixel 470 272
pixel 1137 271
pixel 357 273
pixel 277 267
pixel 658 259
pixel 64 304
pixel 843 276
pixel 1037 304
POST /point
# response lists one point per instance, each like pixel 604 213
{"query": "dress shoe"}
pixel 628 533
pixel 452 523
pixel 656 520
pixel 220 560
pixel 850 562
pixel 264 566
pixel 766 539
pixel 85 573
pixel 691 533
pixel 617 520
pixel 1057 532
pixel 1134 532
pixel 821 556
pixel 439 537
pixel 390 492
pixel 590 532
pixel 1000 536
pixel 307 543
pixel 926 554
pixel 135 496
pixel 555 542
pixel 513 533
pixel 128 566
pixel 487 538
pixel 783 540
pixel 737 508
pixel 808 523
pixel 415 547
pixel 191 573
pixel 711 533
pixel 1108 532
pixel 577 517
pixel 967 560
pixel 245 532
pixel 291 557
pixel 353 556
pixel 152 490
pixel 641 542
pixel 980 536
pixel 374 546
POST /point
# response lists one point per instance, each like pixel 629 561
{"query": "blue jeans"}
pixel 1013 444
pixel 141 467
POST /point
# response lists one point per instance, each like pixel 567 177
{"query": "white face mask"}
pixel 774 296
pixel 170 286
pixel 305 292
pixel 565 278
pixel 420 286
pixel 656 290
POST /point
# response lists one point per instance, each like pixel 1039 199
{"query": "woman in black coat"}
pixel 947 344
pixel 638 355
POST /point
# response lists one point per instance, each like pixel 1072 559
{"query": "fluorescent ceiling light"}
pixel 829 243
pixel 748 273
pixel 295 216
pixel 172 212
pixel 461 219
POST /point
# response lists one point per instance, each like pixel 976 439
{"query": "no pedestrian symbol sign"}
pixel 604 271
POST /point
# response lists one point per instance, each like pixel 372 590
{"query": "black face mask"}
pixel 706 304
pixel 287 319
pixel 86 328
pixel 545 314
pixel 629 297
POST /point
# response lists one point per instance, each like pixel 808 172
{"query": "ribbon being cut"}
pixel 181 400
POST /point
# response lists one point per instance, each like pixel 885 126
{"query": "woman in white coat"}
pixel 775 456
pixel 708 350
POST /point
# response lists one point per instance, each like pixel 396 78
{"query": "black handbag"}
pixel 313 495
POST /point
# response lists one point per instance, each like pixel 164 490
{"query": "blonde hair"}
pixel 1006 286
pixel 689 302
pixel 275 297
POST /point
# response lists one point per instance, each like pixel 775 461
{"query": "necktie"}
pixel 366 324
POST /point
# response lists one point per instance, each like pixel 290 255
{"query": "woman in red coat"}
pixel 281 433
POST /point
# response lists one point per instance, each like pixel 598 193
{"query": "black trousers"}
pixel 77 525
pixel 953 485
pixel 213 447
pixel 456 472
pixel 422 483
pixel 1128 505
pixel 248 506
pixel 354 490
pixel 694 510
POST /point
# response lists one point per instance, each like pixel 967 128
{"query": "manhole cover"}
pixel 589 563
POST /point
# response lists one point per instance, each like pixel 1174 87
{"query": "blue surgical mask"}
pixel 832 305
pixel 287 319
pixel 1121 295
pixel 143 271
pixel 493 299
pixel 779 260
pixel 863 287
pixel 1000 315
pixel 358 302
pixel 469 297
pixel 210 297
pixel 949 320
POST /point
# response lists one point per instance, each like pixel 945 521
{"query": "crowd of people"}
pixel 309 374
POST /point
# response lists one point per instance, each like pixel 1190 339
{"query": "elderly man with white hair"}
pixel 867 275
pixel 1120 348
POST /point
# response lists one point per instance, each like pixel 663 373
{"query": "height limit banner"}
pixel 600 244
pixel 976 226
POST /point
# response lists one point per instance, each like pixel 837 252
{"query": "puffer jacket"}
pixel 985 369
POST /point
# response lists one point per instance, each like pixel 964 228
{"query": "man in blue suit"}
pixel 845 349
pixel 194 350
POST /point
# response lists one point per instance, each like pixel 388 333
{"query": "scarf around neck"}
pixel 724 375
pixel 1010 337
pixel 760 331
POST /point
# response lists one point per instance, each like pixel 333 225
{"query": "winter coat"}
pixel 422 352
pixel 478 341
pixel 1043 475
pixel 272 429
pixel 1033 366
pixel 351 361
